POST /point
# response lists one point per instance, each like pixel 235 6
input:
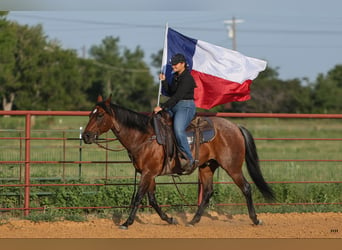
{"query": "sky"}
pixel 301 38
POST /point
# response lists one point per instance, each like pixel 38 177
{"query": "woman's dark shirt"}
pixel 182 88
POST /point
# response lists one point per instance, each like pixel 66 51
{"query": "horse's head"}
pixel 100 121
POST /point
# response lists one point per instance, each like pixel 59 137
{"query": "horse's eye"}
pixel 100 115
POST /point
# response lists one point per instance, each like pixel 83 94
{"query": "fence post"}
pixel 64 155
pixel 80 158
pixel 27 164
pixel 21 157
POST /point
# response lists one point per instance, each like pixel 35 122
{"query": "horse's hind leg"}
pixel 246 189
pixel 206 178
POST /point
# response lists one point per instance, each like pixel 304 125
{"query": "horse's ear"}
pixel 109 99
pixel 99 98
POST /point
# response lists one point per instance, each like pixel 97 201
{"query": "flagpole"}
pixel 159 93
pixel 164 59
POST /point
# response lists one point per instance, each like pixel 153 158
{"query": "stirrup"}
pixel 187 168
pixel 184 164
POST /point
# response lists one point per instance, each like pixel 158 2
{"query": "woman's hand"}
pixel 157 109
pixel 162 77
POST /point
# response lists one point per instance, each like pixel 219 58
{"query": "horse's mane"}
pixel 128 118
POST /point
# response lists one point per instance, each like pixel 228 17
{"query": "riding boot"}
pixel 186 165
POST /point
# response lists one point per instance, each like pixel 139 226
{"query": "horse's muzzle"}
pixel 89 137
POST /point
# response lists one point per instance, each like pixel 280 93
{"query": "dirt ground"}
pixel 213 225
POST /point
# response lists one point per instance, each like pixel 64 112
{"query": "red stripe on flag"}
pixel 212 90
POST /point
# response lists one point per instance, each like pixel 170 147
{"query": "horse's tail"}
pixel 253 167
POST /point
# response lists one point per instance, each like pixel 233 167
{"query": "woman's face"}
pixel 179 67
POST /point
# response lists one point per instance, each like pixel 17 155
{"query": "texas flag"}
pixel 221 75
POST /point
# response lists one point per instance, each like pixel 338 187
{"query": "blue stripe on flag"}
pixel 178 43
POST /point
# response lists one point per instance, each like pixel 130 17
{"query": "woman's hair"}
pixel 177 58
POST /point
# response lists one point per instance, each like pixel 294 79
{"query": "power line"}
pixel 83 21
pixel 119 68
pixel 162 27
pixel 295 32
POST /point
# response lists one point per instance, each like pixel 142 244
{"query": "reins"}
pixel 179 192
pixel 98 143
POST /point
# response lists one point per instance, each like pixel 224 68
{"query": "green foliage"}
pixel 10 197
pixel 120 196
pixel 37 74
pixel 269 94
pixel 123 74
pixel 4 220
pixel 3 14
pixel 328 92
pixel 75 217
pixel 48 215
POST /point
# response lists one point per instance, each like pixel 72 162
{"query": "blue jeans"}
pixel 183 112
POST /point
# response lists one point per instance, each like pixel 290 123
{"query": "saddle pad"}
pixel 207 135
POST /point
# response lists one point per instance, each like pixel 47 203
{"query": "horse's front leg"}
pixel 153 202
pixel 142 189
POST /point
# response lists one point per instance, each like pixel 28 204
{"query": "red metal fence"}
pixel 27 139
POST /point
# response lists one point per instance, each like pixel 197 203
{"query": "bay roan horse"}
pixel 231 145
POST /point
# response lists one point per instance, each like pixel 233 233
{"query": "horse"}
pixel 231 146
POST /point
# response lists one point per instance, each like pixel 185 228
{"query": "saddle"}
pixel 199 131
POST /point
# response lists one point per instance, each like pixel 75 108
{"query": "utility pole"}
pixel 84 51
pixel 232 30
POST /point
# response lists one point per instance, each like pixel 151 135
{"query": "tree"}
pixel 3 14
pixel 270 94
pixel 38 74
pixel 8 81
pixel 157 59
pixel 60 83
pixel 19 50
pixel 328 91
pixel 123 74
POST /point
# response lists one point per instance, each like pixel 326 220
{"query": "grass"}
pixel 69 150
pixel 274 171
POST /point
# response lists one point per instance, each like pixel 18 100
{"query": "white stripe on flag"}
pixel 225 63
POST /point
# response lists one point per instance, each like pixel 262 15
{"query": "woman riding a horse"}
pixel 231 146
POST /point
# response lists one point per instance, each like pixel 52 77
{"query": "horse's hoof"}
pixel 123 227
pixel 174 221
pixel 189 225
pixel 257 223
